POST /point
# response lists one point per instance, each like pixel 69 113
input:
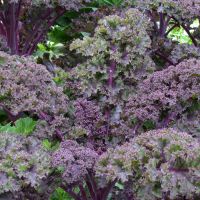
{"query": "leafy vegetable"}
pixel 60 194
pixel 23 126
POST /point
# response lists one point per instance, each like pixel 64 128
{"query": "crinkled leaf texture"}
pixel 23 162
pixel 158 162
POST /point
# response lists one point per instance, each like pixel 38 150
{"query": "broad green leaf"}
pixel 7 128
pixel 25 126
pixel 60 194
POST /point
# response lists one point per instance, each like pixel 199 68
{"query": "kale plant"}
pixel 161 164
pixel 122 124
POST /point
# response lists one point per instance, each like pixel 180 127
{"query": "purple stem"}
pixel 34 44
pixel 13 28
pixel 90 188
pixel 93 182
pixel 187 31
pixel 83 193
pixel 153 19
pixel 42 33
pixel 72 194
pixel 162 24
pixel 173 27
pixel 35 30
pixel 111 72
pixel 95 193
pixel 19 8
pixel 107 190
pixel 9 27
pixel 164 57
pixel 189 34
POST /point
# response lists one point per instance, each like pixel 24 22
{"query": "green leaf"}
pixel 60 77
pixel 119 185
pixel 157 190
pixel 148 125
pixel 60 194
pixel 134 121
pixel 25 126
pixel 174 148
pixel 85 34
pixel 60 169
pixel 42 47
pixel 23 168
pixel 110 2
pixel 7 128
pixel 46 144
pixel 50 146
pixel 91 8
pixel 2 60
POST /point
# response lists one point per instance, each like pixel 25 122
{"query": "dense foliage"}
pixel 169 95
pixel 162 164
pixel 109 108
pixel 23 162
pixel 29 87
